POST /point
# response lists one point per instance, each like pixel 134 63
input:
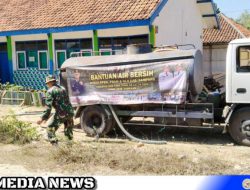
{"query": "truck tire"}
pixel 96 120
pixel 239 122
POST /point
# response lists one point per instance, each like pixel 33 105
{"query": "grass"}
pixel 136 161
pixel 17 132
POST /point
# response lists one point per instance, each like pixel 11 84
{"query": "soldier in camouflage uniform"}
pixel 57 98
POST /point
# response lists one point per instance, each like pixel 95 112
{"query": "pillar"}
pixel 152 35
pixel 10 66
pixel 95 42
pixel 50 49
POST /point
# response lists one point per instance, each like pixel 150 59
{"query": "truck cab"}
pixel 238 72
pixel 238 90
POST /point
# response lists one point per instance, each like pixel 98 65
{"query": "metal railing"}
pixel 8 97
pixel 102 52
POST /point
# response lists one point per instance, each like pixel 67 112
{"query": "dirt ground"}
pixel 187 152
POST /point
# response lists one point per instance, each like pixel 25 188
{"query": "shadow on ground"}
pixel 172 134
pixel 211 136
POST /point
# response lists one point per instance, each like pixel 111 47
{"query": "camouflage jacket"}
pixel 57 98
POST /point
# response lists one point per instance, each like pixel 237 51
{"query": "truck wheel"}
pixel 96 120
pixel 239 126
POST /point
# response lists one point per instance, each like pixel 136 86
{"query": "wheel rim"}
pixel 245 128
pixel 95 121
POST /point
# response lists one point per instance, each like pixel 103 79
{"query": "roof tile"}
pixel 37 14
pixel 229 31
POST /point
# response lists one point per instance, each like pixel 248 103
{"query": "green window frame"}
pixel 21 60
pixel 43 60
pixel 86 52
pixel 59 54
pixel 105 52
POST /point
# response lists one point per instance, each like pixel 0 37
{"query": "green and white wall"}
pixel 30 57
pixel 34 56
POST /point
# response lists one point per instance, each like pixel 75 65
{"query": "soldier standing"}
pixel 57 98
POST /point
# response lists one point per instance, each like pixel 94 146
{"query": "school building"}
pixel 36 36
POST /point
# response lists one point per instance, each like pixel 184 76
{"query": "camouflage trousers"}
pixel 55 123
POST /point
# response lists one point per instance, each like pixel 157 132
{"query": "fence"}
pixel 35 98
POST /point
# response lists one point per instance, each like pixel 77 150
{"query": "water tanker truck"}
pixel 166 85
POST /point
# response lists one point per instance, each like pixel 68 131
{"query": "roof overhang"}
pixel 209 15
pixel 132 23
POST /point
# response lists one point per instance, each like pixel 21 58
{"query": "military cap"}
pixel 50 78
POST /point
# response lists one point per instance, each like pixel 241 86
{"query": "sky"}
pixel 233 8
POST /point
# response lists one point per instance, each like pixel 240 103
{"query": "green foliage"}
pixel 11 87
pixel 14 131
pixel 244 19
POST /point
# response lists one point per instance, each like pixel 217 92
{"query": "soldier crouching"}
pixel 57 98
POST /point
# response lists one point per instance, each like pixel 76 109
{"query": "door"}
pixel 32 59
pixel 60 57
pixel 4 68
pixel 43 60
pixel 241 75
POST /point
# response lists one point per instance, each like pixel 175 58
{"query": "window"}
pixel 60 44
pixel 86 44
pixel 42 45
pixel 20 46
pixel 72 46
pixel 3 47
pixel 86 52
pixel 43 60
pixel 104 52
pixel 60 57
pixel 119 44
pixel 21 59
pixel 243 59
pixel 138 39
pixel 30 50
pixel 105 43
pixel 31 45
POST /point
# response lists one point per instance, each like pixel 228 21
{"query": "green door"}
pixel 60 57
pixel 21 60
pixel 32 59
pixel 43 60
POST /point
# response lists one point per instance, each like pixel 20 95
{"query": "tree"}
pixel 244 19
